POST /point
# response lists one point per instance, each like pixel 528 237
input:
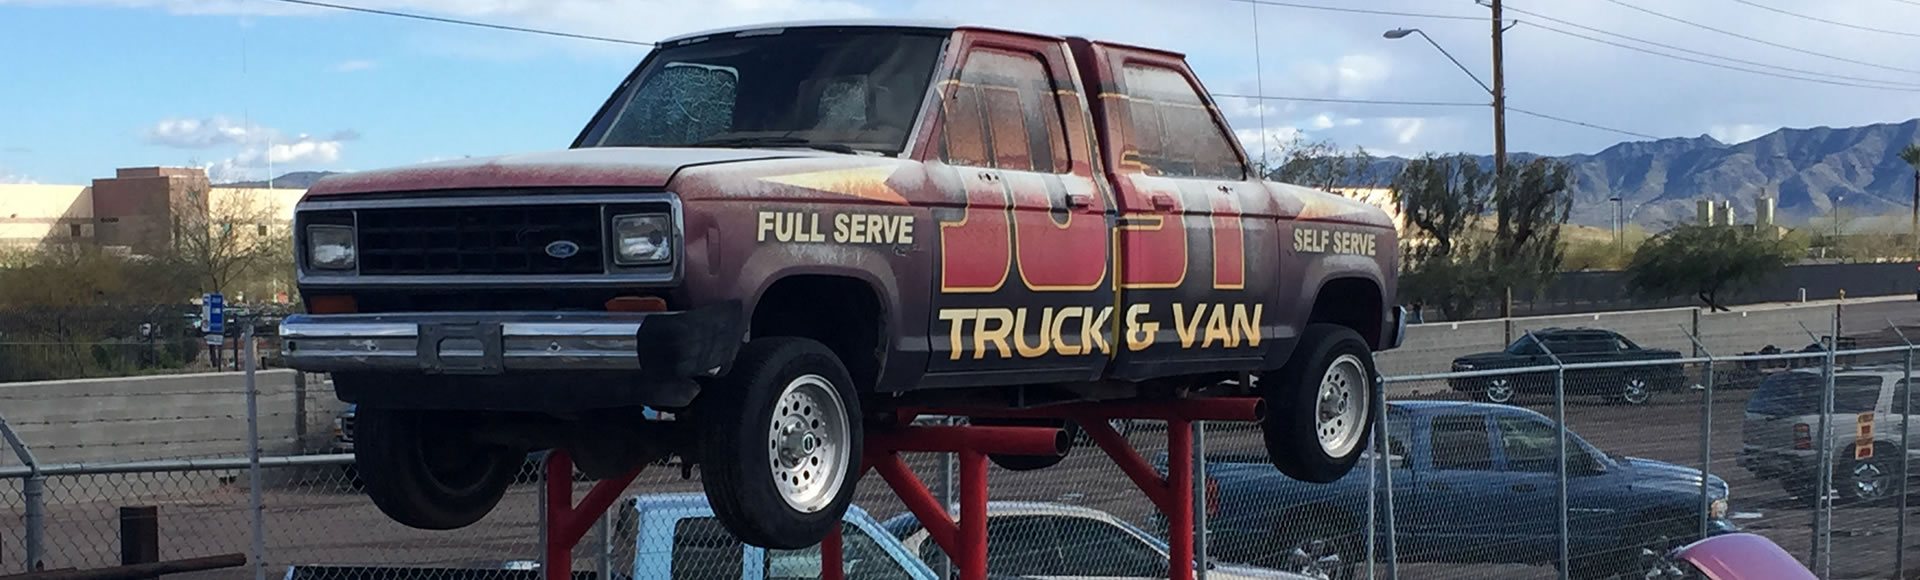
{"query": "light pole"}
pixel 1620 223
pixel 1498 90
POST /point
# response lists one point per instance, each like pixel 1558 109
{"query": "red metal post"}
pixel 832 559
pixel 933 516
pixel 558 564
pixel 973 515
pixel 1179 508
pixel 567 523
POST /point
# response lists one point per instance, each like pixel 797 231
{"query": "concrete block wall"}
pixel 155 417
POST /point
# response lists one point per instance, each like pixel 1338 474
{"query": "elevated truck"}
pixel 780 234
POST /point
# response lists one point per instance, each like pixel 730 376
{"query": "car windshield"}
pixel 1798 393
pixel 840 89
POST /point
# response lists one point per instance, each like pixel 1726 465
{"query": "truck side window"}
pixel 1014 96
pixel 963 133
pixel 1900 397
pixel 1530 445
pixel 704 550
pixel 1102 550
pixel 1460 442
pixel 1173 129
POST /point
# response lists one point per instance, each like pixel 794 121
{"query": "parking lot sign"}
pixel 214 311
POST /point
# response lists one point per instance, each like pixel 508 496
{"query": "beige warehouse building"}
pixel 134 211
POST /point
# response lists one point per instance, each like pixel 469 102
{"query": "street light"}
pixel 1620 223
pixel 1499 94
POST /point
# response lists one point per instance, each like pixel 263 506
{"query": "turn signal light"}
pixel 1213 497
pixel 1801 437
pixel 637 304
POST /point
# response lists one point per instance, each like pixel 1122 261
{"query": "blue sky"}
pixel 98 84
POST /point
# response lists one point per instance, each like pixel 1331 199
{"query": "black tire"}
pixel 1644 547
pixel 1501 390
pixel 426 471
pixel 1635 390
pixel 735 419
pixel 1028 462
pixel 1292 429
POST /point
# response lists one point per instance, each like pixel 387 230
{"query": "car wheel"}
pixel 425 470
pixel 1636 391
pixel 780 443
pixel 1645 553
pixel 1500 390
pixel 1867 481
pixel 1321 408
pixel 1028 462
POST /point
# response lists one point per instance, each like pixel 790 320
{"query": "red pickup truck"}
pixel 778 234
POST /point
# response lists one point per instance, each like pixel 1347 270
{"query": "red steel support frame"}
pixel 964 540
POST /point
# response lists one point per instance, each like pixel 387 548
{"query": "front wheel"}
pixel 780 441
pixel 426 470
pixel 1321 408
pixel 1635 391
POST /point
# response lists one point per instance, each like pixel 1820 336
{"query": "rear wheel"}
pixel 780 442
pixel 426 470
pixel 1321 408
pixel 1317 543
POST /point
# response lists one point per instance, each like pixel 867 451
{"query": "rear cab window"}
pixel 1798 393
pixel 1461 442
pixel 704 550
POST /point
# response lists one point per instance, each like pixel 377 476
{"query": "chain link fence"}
pixel 1471 475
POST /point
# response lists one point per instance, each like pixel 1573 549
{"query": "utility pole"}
pixel 1499 94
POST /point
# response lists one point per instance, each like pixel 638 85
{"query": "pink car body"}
pixel 1741 556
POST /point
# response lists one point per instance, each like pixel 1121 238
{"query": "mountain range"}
pixel 1808 172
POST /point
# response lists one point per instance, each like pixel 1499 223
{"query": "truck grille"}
pixel 504 240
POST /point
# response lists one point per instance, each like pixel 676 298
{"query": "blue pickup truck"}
pixel 1472 483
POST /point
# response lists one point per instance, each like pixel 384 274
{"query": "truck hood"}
pixel 635 167
pixel 1651 474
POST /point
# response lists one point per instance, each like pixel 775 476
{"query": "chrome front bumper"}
pixel 462 342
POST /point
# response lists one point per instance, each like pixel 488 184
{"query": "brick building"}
pixel 136 209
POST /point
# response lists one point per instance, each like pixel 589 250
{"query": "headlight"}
pixel 1463 366
pixel 331 247
pixel 642 239
pixel 1718 509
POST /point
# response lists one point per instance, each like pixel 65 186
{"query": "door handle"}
pixel 1162 201
pixel 1079 200
pixel 988 176
pixel 1522 487
pixel 1224 189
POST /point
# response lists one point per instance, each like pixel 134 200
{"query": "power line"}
pixel 1359 10
pixel 1769 42
pixel 466 22
pixel 1580 123
pixel 1824 20
pixel 1716 64
pixel 1708 54
pixel 1351 101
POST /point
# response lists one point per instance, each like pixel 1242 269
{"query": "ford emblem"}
pixel 562 249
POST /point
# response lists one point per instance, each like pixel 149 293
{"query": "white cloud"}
pixel 10 178
pixel 1738 133
pixel 1406 129
pixel 354 65
pixel 256 147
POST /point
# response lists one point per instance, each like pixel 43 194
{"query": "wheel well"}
pixel 842 313
pixel 1355 303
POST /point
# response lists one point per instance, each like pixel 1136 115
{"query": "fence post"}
pixel 1199 499
pixel 254 503
pixel 34 488
pixel 1823 486
pixel 1706 429
pixel 1906 463
pixel 1386 482
pixel 300 412
pixel 1560 417
pixel 139 535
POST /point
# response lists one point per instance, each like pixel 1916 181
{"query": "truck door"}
pixel 1454 511
pixel 1023 294
pixel 1198 248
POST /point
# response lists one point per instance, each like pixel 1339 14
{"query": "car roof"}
pixel 941 25
pixel 907 521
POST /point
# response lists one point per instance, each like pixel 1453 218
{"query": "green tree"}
pixel 1319 164
pixel 1706 262
pixel 1457 260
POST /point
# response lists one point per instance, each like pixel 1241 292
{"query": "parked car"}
pixel 1780 435
pixel 1048 540
pixel 1738 556
pixel 1630 385
pixel 1472 482
pixel 895 214
pixel 677 536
